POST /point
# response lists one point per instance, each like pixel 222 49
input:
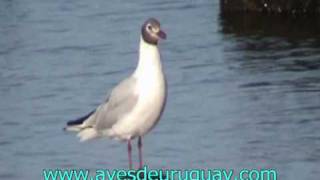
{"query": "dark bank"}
pixel 272 6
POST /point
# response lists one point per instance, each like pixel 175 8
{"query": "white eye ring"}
pixel 149 27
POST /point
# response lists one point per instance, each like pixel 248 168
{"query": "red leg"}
pixel 140 152
pixel 130 154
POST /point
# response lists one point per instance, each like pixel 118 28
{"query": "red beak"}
pixel 162 34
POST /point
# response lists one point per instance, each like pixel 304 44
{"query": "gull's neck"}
pixel 149 60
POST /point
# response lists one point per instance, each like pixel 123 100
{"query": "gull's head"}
pixel 151 31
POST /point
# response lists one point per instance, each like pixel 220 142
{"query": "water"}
pixel 243 89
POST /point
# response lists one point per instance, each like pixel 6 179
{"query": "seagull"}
pixel 136 104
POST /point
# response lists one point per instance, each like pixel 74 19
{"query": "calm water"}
pixel 243 89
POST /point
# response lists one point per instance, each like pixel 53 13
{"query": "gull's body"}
pixel 150 89
pixel 135 105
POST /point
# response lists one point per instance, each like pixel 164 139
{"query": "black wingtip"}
pixel 79 120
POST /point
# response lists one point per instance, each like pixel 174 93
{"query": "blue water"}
pixel 243 91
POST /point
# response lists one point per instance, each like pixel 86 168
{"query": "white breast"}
pixel 151 88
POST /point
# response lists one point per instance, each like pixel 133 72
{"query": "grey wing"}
pixel 120 102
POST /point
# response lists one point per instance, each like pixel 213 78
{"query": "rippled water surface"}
pixel 243 89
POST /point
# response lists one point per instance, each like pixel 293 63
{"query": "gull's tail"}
pixel 87 134
pixel 83 125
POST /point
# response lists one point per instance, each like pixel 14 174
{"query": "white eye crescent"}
pixel 149 27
